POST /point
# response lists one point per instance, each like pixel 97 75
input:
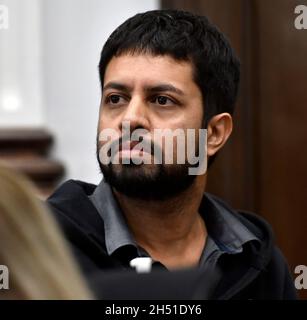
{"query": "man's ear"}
pixel 218 131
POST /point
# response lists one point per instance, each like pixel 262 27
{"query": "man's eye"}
pixel 114 99
pixel 162 100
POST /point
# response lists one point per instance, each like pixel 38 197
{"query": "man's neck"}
pixel 171 231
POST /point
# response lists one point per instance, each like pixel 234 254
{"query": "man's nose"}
pixel 136 114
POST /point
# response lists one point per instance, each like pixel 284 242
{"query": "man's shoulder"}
pixel 72 188
pixel 265 257
pixel 251 220
pixel 71 206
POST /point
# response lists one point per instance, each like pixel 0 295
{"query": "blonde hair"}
pixel 32 247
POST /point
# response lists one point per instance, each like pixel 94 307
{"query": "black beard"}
pixel 158 184
pixel 133 181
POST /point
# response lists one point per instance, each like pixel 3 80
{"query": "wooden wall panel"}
pixel 282 197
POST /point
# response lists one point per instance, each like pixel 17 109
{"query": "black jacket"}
pixel 260 272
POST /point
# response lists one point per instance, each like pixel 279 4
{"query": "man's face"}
pixel 149 92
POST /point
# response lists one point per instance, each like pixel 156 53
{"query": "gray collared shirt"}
pixel 226 234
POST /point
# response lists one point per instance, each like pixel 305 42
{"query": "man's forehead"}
pixel 149 71
pixel 152 63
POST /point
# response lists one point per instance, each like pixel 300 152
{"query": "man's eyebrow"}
pixel 163 88
pixel 117 86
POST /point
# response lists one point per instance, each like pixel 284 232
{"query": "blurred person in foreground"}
pixel 168 69
pixel 32 247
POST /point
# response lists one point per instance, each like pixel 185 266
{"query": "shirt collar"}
pixel 117 233
pixel 227 232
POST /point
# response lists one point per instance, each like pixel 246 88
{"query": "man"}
pixel 168 70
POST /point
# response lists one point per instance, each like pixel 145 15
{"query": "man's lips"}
pixel 129 145
pixel 134 148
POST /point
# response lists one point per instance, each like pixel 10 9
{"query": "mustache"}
pixel 147 145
